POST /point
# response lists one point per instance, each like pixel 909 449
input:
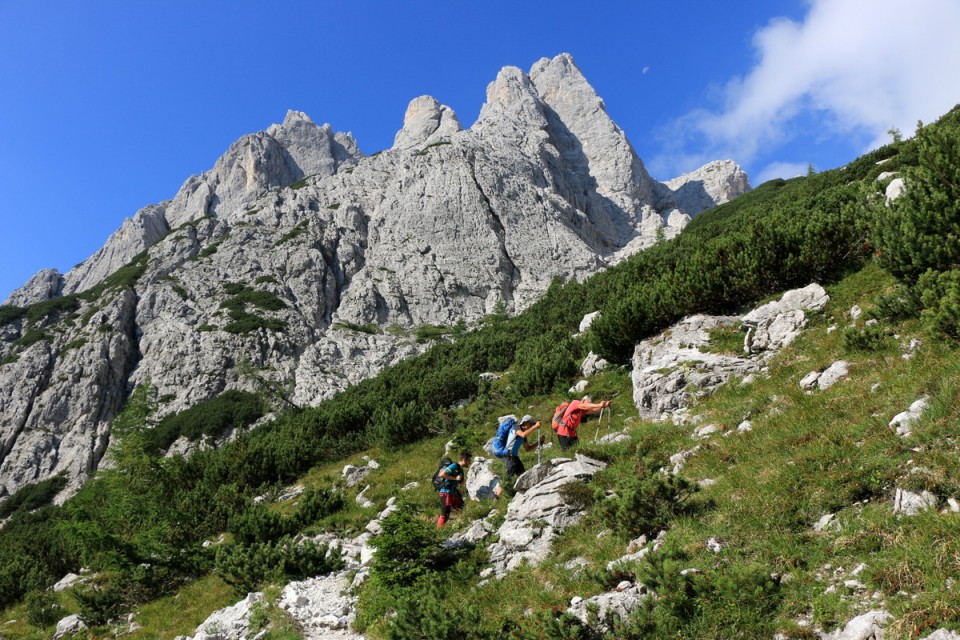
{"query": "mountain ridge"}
pixel 295 253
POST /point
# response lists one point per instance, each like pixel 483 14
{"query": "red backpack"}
pixel 558 416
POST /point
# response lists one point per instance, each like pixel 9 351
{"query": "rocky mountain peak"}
pixel 426 122
pixel 43 285
pixel 561 74
pixel 294 116
pixel 592 146
pixel 299 255
pixel 513 109
pixel 715 182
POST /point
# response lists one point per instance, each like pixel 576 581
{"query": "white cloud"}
pixel 851 67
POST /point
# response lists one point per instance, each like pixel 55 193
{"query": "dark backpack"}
pixel 438 481
pixel 499 444
pixel 558 416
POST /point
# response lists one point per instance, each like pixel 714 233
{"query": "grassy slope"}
pixel 808 454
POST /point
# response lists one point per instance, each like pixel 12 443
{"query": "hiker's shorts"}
pixel 450 501
pixel 567 441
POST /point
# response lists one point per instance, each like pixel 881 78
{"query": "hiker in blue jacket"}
pixel 518 438
pixel 450 497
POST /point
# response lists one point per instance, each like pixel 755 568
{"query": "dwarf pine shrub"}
pixel 33 496
pixel 247 567
pixel 645 502
pixel 43 608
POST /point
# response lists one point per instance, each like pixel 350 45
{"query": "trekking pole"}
pixel 599 422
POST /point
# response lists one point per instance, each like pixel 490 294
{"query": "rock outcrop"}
pixel 348 254
pixel 322 607
pixel 672 368
pixel 538 512
pixel 229 623
pixel 868 626
pixel 43 285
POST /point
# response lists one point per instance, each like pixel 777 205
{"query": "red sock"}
pixel 442 520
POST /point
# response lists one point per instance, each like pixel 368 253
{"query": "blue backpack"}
pixel 499 444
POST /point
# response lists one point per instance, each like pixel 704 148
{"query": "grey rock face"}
pixel 69 626
pixel 674 367
pixel 426 122
pixel 903 422
pixel 670 369
pixel 58 395
pixel 778 323
pixel 229 623
pixel 826 378
pixel 618 603
pixel 716 182
pixel 869 626
pixel 43 285
pixel 358 252
pixel 539 511
pixel 251 166
pixel 482 481
pixel 910 504
pixel 321 606
pixel 136 234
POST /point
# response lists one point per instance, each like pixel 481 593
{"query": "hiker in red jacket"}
pixel 567 432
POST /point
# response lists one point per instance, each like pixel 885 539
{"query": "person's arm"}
pixel 529 446
pixel 446 474
pixel 594 407
pixel 526 432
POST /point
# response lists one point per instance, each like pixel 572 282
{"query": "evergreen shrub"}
pixel 249 566
pixel 940 300
pixel 407 549
pixel 231 409
pixel 425 612
pixel 33 496
pixel 920 230
pixel 868 338
pixel 43 608
pixel 644 503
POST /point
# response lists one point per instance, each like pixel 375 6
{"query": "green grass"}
pixel 430 332
pixel 182 612
pixel 296 232
pixel 808 454
pixel 370 327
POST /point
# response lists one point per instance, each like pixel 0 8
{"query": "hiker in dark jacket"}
pixel 567 433
pixel 516 440
pixel 450 497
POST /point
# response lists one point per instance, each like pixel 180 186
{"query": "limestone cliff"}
pixel 301 258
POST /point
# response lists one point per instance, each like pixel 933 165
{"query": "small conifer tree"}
pixel 921 229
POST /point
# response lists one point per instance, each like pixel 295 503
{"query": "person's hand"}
pixel 606 403
pixel 537 426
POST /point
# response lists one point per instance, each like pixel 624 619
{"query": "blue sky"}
pixel 107 106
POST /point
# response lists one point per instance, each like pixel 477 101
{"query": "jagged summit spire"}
pixel 425 122
pixel 296 116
